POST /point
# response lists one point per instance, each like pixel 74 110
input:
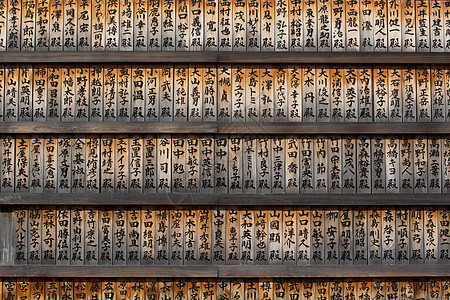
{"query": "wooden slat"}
pixel 408 23
pixel 14 28
pixel 168 28
pixel 39 98
pixel 352 18
pixel 68 95
pixel 54 94
pixel 338 26
pixel 84 26
pixel 223 199
pixel 56 30
pixel 374 241
pixel 394 28
pixel 225 25
pixel 218 234
pixel 105 237
pixel 133 244
pixel 91 236
pixel 162 243
pixel 25 103
pixel 324 25
pixel 70 28
pixel 34 236
pixel 310 35
pixel 126 127
pixel 423 25
pixel 82 99
pixel 380 94
pixel 98 20
pixel 212 13
pixel 148 237
pixel 140 24
pixel 77 244
pixel 196 25
pixel 3 25
pixel 62 240
pixel 154 26
pixel 344 58
pixel 112 25
pixel 253 25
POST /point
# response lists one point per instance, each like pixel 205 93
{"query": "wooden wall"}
pixel 214 25
pixel 215 149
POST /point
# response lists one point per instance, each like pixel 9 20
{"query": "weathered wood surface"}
pixel 227 271
pixel 337 236
pixel 224 57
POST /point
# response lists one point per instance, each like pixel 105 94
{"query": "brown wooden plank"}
pixel 70 28
pixel 98 28
pixel 63 236
pixel 134 236
pixel 91 236
pixel 35 236
pixel 84 26
pixel 105 237
pixel 140 23
pixel 218 235
pixel 49 235
pixel 82 93
pixel 39 93
pixel 3 25
pixel 139 93
pixel 212 13
pixel 14 28
pixel 54 94
pixel 25 91
pixel 119 236
pixel 344 58
pixel 77 244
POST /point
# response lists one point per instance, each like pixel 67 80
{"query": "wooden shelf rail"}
pixel 223 128
pixel 396 58
pixel 226 271
pixel 226 199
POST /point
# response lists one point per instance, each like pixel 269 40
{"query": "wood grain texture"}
pixel 265 57
pixel 225 128
pixel 227 271
pixel 222 199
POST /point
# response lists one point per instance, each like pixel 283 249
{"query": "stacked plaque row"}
pixel 205 236
pixel 223 164
pixel 215 25
pixel 276 289
pixel 226 93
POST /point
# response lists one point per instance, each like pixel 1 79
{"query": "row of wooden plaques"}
pixel 232 236
pixel 225 93
pixel 217 25
pixel 262 289
pixel 223 164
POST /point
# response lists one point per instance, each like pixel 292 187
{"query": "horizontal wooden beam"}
pixel 225 199
pixel 335 199
pixel 227 271
pixel 334 128
pixel 107 127
pixel 108 199
pixel 223 128
pixel 334 271
pixel 109 271
pixel 397 58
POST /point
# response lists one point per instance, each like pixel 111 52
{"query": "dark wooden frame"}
pixel 278 271
pixel 307 128
pixel 367 58
pixel 247 200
